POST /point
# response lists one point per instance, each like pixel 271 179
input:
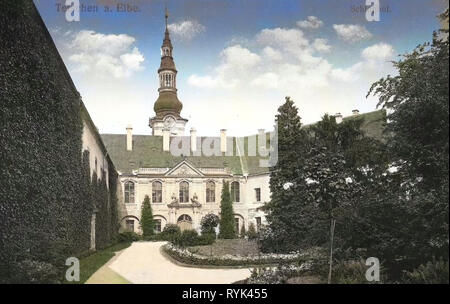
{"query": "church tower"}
pixel 167 107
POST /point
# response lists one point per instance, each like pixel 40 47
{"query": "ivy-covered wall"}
pixel 46 194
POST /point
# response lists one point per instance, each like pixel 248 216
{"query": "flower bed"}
pixel 187 257
pixel 278 275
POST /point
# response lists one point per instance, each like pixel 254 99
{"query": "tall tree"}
pixel 227 230
pixel 147 222
pixel 416 227
pixel 418 124
pixel 285 181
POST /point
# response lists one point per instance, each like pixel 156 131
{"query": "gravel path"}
pixel 143 263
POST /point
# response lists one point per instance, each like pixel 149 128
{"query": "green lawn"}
pixel 90 264
pixel 241 247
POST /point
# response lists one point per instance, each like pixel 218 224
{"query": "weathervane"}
pixel 167 13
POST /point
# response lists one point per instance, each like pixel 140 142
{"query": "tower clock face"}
pixel 169 122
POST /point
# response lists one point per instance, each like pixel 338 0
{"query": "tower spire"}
pixel 167 106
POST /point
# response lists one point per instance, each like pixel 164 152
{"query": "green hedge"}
pixel 45 205
pixel 191 238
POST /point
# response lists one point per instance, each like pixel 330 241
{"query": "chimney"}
pixel 355 112
pixel 166 140
pixel 193 140
pixel 223 140
pixel 129 138
pixel 338 117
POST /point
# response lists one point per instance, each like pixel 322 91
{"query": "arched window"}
pixel 184 218
pixel 184 192
pixel 129 193
pixel 210 192
pixel 235 192
pixel 156 192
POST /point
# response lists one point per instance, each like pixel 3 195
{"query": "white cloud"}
pixel 379 51
pixel 105 56
pixel 280 62
pixel 288 39
pixel 312 22
pixel 352 32
pixel 272 54
pixel 186 30
pixel 237 62
pixel 375 58
pixel 321 45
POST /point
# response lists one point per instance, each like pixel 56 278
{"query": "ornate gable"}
pixel 184 169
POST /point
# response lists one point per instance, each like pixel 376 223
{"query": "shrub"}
pixel 346 272
pixel 171 229
pixel 267 240
pixel 251 233
pixel 435 272
pixel 191 238
pixel 186 238
pixel 349 272
pixel 128 236
pixel 170 232
pixel 32 272
pixel 209 223
pixel 155 237
pixel 243 233
pixel 278 275
pixel 206 239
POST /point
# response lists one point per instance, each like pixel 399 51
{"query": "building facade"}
pixel 184 175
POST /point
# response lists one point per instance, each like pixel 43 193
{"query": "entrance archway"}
pixel 184 222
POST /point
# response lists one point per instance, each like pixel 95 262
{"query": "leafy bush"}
pixel 346 272
pixel 435 272
pixel 267 240
pixel 170 232
pixel 171 229
pixel 191 238
pixel 128 236
pixel 206 239
pixel 186 238
pixel 32 272
pixel 242 233
pixel 155 237
pixel 278 275
pixel 208 223
pixel 251 233
pixel 349 272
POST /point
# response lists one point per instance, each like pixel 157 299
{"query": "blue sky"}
pixel 236 59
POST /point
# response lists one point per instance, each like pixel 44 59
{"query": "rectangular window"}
pixel 130 225
pixel 157 226
pixel 156 192
pixel 210 192
pixel 258 194
pixel 236 227
pixel 258 222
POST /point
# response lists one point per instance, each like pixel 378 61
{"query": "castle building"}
pixel 183 175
